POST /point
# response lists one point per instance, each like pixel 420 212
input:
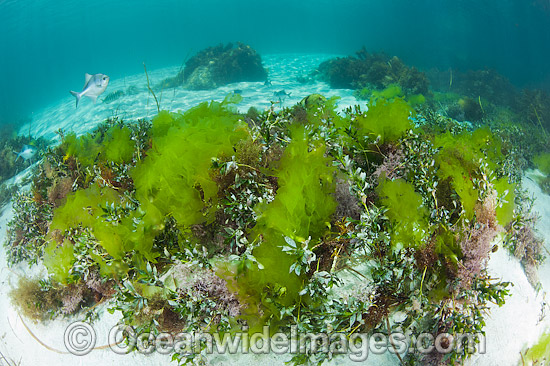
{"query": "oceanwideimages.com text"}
pixel 80 339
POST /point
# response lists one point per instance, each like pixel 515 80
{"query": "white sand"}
pixel 509 329
pixel 519 323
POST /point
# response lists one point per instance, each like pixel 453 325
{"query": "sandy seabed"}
pixel 509 329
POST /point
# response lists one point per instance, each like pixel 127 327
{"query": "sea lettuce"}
pixel 385 120
pixel 85 148
pixel 459 159
pixel 115 145
pixel 408 216
pixel 118 146
pixel 85 208
pixel 176 176
pixel 506 201
pixel 174 179
pixel 59 260
pixel 300 213
pixel 542 162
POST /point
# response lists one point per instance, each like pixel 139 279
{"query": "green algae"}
pixel 542 162
pixel 385 120
pixel 175 179
pixel 405 210
pixel 506 201
pixel 540 352
pixel 59 260
pixel 115 145
pixel 87 208
pixel 176 176
pixel 461 158
pixel 118 145
pixel 299 214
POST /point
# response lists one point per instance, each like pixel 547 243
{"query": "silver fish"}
pixel 281 94
pixel 93 87
pixel 27 152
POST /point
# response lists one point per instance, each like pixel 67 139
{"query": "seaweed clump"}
pixel 539 353
pixel 40 300
pixel 373 72
pixel 217 66
pixel 288 226
pixel 476 95
pixel 542 163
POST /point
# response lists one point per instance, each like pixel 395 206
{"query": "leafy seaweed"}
pixel 460 158
pixel 540 352
pixel 164 203
pixel 385 120
pixel 405 211
pixel 118 145
pixel 542 162
pixel 85 148
pixel 176 177
pixel 297 217
pixel 115 145
pixel 59 260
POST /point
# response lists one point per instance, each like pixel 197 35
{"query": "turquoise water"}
pixel 48 45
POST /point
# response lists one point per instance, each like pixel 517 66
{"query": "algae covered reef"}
pixel 470 95
pixel 370 72
pixel 217 66
pixel 218 222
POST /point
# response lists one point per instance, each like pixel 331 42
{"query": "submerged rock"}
pixel 201 79
pixel 217 66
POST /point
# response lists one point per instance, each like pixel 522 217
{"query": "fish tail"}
pixel 77 96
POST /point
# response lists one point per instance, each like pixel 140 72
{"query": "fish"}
pixel 93 87
pixel 281 94
pixel 26 153
pixel 111 97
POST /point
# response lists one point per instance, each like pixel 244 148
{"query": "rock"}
pixel 219 65
pixel 201 79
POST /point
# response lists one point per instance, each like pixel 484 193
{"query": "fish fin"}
pixel 87 77
pixel 77 96
pixel 94 98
